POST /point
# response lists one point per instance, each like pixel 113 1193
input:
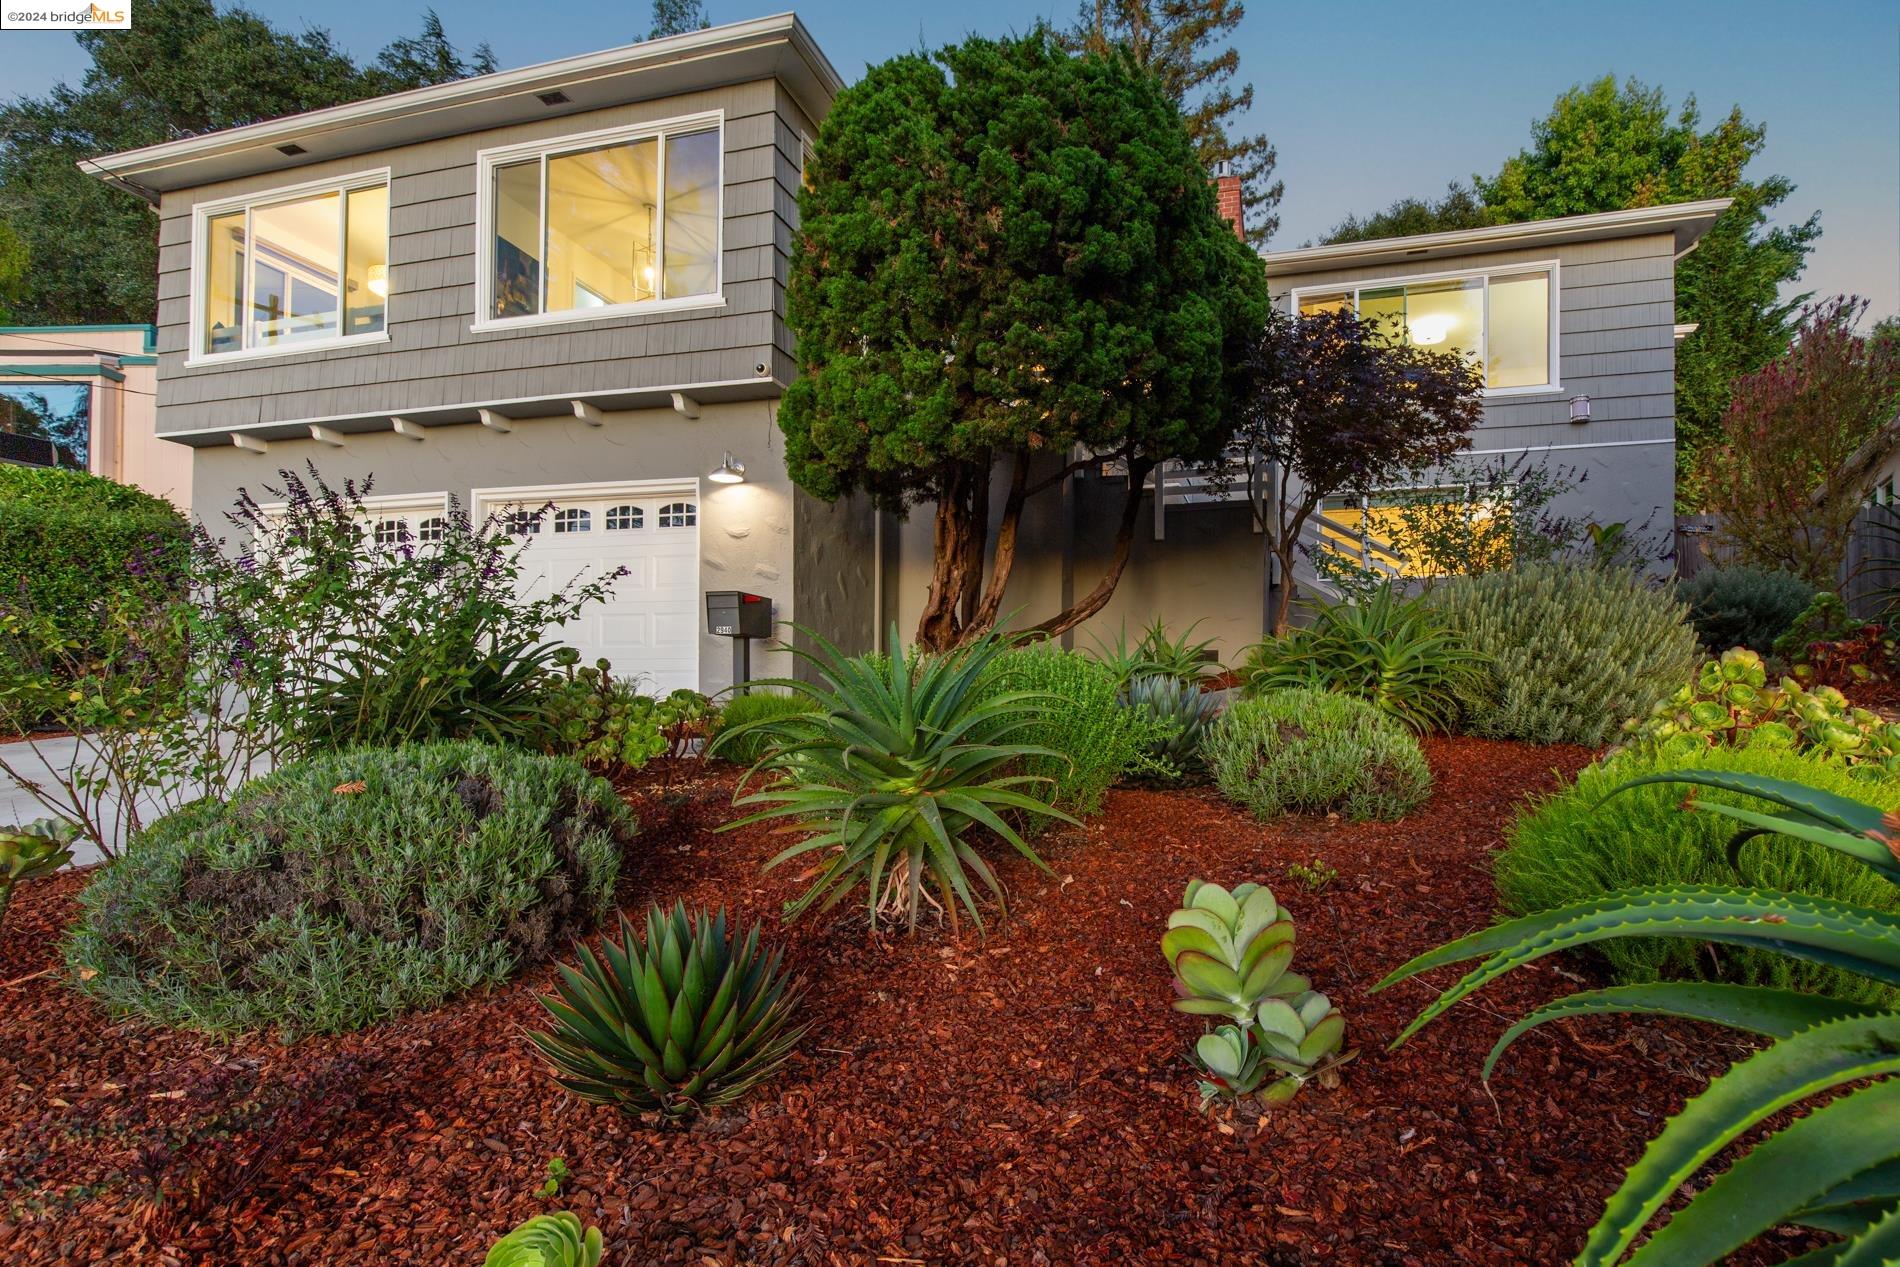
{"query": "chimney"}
pixel 1227 197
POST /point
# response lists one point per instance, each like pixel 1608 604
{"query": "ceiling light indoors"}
pixel 728 472
pixel 379 280
pixel 1430 328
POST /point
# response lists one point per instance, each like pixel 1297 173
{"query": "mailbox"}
pixel 736 614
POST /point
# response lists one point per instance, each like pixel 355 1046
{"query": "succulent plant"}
pixel 1230 952
pixel 693 1019
pixel 35 848
pixel 547 1240
pixel 1186 711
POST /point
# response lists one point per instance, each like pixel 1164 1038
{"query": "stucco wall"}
pixel 745 530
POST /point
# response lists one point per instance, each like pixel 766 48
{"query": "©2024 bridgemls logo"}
pixel 65 15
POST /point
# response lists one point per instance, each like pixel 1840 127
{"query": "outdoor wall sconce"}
pixel 728 472
pixel 1579 409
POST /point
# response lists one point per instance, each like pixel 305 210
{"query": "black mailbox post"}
pixel 741 617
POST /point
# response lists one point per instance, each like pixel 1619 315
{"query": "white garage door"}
pixel 648 629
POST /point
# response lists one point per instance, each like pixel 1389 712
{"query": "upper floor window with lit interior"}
pixel 609 222
pixel 1504 320
pixel 292 270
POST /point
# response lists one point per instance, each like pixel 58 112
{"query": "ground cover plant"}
pixel 1837 1169
pixel 1310 751
pixel 1730 702
pixel 895 775
pixel 1397 654
pixel 695 1018
pixel 1742 606
pixel 1571 651
pixel 607 724
pixel 348 887
pixel 1576 846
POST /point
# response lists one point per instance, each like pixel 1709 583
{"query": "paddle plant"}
pixel 1230 952
pixel 1837 1169
pixel 547 1240
pixel 37 848
pixel 891 781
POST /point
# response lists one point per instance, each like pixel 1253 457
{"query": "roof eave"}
pixel 1687 221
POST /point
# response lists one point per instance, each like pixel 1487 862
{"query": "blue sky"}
pixel 1365 101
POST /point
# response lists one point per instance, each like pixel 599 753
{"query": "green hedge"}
pixel 1574 846
pixel 67 539
pixel 1099 740
pixel 348 887
pixel 1743 606
pixel 1315 751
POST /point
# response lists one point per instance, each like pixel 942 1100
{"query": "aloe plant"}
pixel 695 1019
pixel 36 848
pixel 1230 953
pixel 905 761
pixel 547 1240
pixel 1836 1169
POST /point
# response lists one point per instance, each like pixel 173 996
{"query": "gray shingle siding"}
pixel 432 358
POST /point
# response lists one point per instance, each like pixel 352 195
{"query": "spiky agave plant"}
pixel 36 848
pixel 1835 1170
pixel 1184 712
pixel 547 1240
pixel 691 1020
pixel 905 761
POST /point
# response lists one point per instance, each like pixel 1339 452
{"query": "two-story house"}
pixel 565 285
pixel 558 284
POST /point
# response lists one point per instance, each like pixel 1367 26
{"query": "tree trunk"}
pixel 957 549
pixel 984 618
pixel 1285 546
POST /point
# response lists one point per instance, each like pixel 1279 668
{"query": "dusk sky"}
pixel 1366 102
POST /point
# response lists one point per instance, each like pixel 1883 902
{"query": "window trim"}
pixel 486 161
pixel 201 216
pixel 1552 267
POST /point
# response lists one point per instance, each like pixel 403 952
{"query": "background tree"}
pixel 1605 147
pixel 676 17
pixel 184 68
pixel 35 413
pixel 1338 405
pixel 1173 39
pixel 13 263
pixel 1780 479
pixel 1007 252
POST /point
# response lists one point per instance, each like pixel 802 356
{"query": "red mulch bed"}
pixel 1020 1101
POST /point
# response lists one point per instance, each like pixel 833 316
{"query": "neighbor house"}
pixel 565 285
pixel 108 374
pixel 562 284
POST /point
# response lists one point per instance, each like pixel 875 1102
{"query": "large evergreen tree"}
pixel 1175 40
pixel 1008 254
pixel 184 68
pixel 1606 146
pixel 677 17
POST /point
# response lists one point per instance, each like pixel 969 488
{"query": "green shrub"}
pixel 694 1019
pixel 1743 606
pixel 748 746
pixel 1572 651
pixel 68 539
pixel 347 887
pixel 1569 848
pixel 607 725
pixel 1393 653
pixel 1096 741
pixel 1316 752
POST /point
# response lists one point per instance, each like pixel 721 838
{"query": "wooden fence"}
pixel 1870 574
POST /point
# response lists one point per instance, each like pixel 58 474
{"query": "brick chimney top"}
pixel 1227 201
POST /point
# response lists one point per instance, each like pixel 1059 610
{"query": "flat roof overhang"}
pixel 777 47
pixel 1688 221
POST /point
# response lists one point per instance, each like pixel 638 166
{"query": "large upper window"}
pixel 290 271
pixel 609 222
pixel 1503 321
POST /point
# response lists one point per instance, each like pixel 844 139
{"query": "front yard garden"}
pixel 877 966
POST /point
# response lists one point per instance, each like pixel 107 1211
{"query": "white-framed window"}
pixel 1504 318
pixel 389 532
pixel 291 270
pixel 573 519
pixel 625 220
pixel 678 515
pixel 625 518
pixel 433 529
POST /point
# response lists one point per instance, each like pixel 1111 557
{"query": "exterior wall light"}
pixel 728 472
pixel 1579 409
